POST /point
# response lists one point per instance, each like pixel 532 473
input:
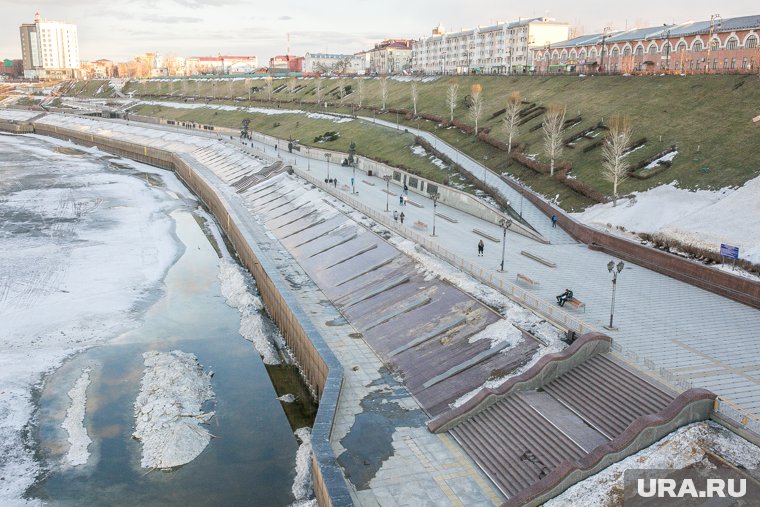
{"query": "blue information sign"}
pixel 732 252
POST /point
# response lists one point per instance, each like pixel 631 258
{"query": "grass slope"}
pixel 708 118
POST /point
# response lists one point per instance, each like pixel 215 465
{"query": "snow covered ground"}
pixel 168 410
pixel 74 422
pixel 682 448
pixel 84 249
pixel 703 218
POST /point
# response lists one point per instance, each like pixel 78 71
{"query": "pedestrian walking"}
pixel 406 189
pixel 401 200
pixel 401 216
pixel 481 246
pixel 335 182
pixel 554 221
pixel 395 215
pixel 405 199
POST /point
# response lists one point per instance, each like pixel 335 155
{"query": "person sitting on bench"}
pixel 562 298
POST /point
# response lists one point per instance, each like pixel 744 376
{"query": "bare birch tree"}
pixel 248 86
pixel 229 85
pixel 269 87
pixel 360 91
pixel 614 166
pixel 554 119
pixel 291 85
pixel 415 95
pixel 384 90
pixel 318 90
pixel 451 98
pixel 476 104
pixel 512 118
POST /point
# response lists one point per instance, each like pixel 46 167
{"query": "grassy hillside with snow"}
pixel 707 118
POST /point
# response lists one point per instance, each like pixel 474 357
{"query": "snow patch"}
pixel 702 218
pixel 168 413
pixel 287 398
pixel 234 287
pixel 682 448
pixel 302 484
pixel 665 158
pixel 74 423
pixel 501 331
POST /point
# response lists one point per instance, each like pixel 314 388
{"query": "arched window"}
pixel 732 43
pixel 653 49
pixel 563 56
pixel 697 46
pixel 592 53
pixel 615 52
pixel 681 46
pixel 751 42
pixel 627 51
pixel 639 50
pixel 582 54
pixel 714 45
pixel 573 55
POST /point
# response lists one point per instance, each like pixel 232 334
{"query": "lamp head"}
pixel 620 266
pixel 610 266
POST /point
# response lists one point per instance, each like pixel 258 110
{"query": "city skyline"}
pixel 195 28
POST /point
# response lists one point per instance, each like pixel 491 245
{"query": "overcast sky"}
pixel 121 29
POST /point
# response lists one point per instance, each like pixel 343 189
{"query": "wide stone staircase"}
pixel 565 419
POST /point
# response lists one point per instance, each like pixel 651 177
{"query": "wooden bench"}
pixel 577 304
pixel 419 224
pixel 527 280
pixel 368 183
pixel 486 235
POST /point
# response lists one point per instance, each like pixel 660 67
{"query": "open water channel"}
pixel 251 460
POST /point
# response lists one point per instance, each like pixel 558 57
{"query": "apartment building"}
pixel 502 48
pixel 392 56
pixel 49 49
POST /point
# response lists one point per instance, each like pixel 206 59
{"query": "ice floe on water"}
pixel 287 398
pixel 235 290
pixel 168 410
pixel 78 453
pixel 302 484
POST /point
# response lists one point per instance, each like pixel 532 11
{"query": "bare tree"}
pixel 384 90
pixel 451 98
pixel 512 118
pixel 229 85
pixel 476 104
pixel 554 119
pixel 248 87
pixel 318 90
pixel 360 91
pixel 614 166
pixel 198 87
pixel 291 85
pixel 341 90
pixel 269 87
pixel 415 95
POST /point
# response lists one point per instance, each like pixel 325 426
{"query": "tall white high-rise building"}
pixel 50 49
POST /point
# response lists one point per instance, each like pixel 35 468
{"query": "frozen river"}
pixel 101 260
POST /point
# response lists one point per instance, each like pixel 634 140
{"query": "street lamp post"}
pixel 435 198
pixel 614 269
pixel 327 157
pixel 308 158
pixel 667 53
pixel 485 168
pixel 505 224
pixel 604 38
pixel 387 179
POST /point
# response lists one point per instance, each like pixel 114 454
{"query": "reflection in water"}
pixel 251 462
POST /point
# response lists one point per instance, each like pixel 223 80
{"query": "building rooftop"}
pixel 658 32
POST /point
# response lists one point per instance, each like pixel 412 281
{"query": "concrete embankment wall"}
pixel 319 365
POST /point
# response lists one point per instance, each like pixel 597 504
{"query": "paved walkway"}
pixel 685 333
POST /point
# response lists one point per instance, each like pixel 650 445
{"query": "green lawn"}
pixel 708 118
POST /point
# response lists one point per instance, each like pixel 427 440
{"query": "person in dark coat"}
pixel 554 220
pixel 562 298
pixel 481 246
pixel 401 217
